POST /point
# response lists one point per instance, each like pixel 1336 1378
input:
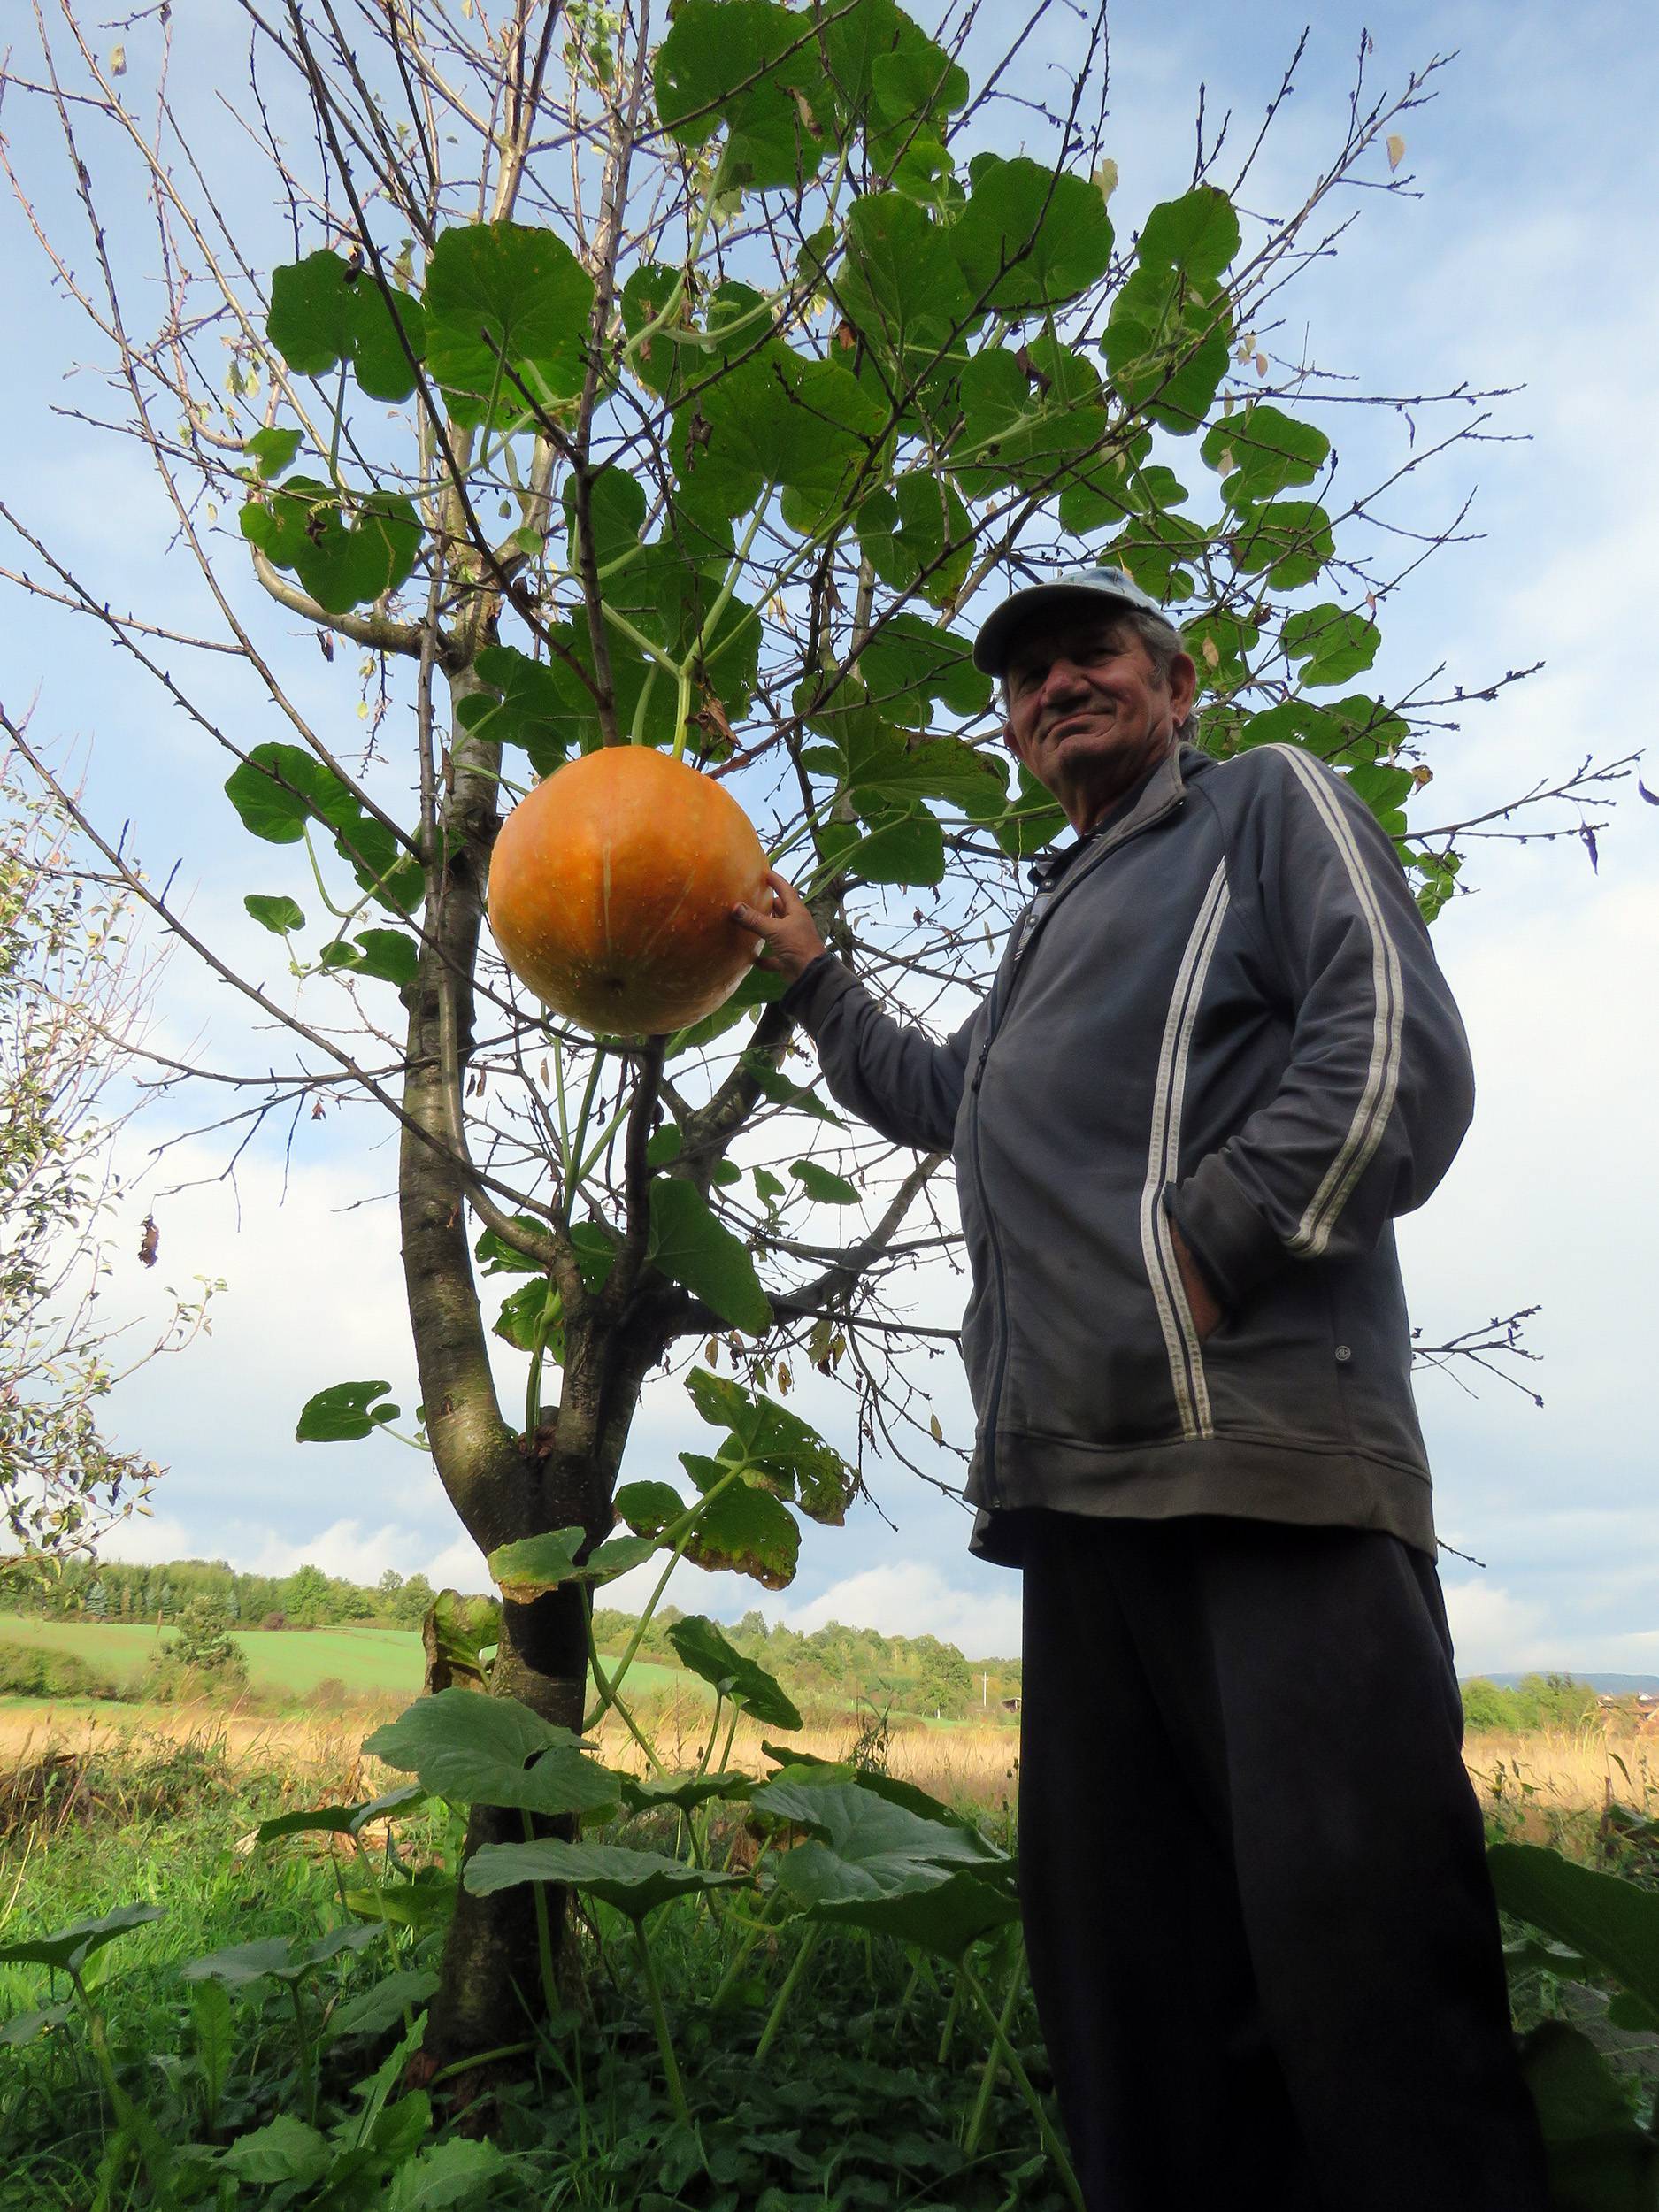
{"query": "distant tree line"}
pixel 113 1590
pixel 914 1674
pixel 1538 1700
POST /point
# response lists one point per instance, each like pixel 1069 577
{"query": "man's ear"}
pixel 1183 687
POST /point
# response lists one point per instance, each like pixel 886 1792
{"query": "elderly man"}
pixel 1217 1059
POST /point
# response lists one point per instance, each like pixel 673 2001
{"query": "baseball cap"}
pixel 992 645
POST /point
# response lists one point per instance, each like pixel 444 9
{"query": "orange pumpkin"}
pixel 611 887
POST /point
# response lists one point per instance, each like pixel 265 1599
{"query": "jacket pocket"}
pixel 1272 1368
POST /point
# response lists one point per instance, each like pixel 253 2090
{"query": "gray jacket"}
pixel 1225 1011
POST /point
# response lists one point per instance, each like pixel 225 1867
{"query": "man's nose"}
pixel 1064 679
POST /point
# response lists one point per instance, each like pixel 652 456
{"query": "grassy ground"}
pixel 866 2097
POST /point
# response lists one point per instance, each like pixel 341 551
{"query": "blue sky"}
pixel 1525 261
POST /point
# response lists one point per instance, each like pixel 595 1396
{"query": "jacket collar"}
pixel 1162 790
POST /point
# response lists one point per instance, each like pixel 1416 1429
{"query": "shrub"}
pixel 32 1670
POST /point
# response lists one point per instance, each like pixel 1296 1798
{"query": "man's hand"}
pixel 792 940
pixel 1207 1314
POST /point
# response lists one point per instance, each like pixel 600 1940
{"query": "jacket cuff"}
pixel 1234 1247
pixel 815 990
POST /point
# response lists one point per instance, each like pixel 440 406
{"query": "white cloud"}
pixel 915 1599
pixel 1494 1631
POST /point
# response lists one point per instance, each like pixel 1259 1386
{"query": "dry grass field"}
pixel 1530 1785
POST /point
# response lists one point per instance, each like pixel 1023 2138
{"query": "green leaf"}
pixel 1034 418
pixel 648 1506
pixel 383 2005
pixel 739 64
pixel 745 1530
pixel 767 1186
pixel 449 2173
pixel 389 956
pixel 323 313
pixel 496 1257
pixel 24 2027
pixel 346 549
pixel 782 419
pixel 693 1248
pixel 530 1311
pixel 70 1947
pixel 275 1958
pixel 819 1184
pixel 536 1565
pixel 426 1901
pixel 279 788
pixel 899 284
pixel 339 1820
pixel 781 1091
pixel 344 1412
pixel 1032 821
pixel 684 1791
pixel 285 2149
pixel 881 1866
pixel 1030 238
pixel 508 310
pixel 772 1442
pixel 1599 2159
pixel 456 1632
pixel 634 1882
pixel 1289 538
pixel 273 912
pixel 545 707
pixel 1167 346
pixel 917 536
pixel 907 847
pixel 913 80
pixel 1335 642
pixel 910 663
pixel 1607 1918
pixel 272 451
pixel 1198 233
pixel 475 1750
pixel 1262 451
pixel 700 1645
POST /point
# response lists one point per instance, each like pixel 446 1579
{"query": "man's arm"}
pixel 889 1074
pixel 1378 1090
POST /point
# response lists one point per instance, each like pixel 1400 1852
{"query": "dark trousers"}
pixel 1263 1939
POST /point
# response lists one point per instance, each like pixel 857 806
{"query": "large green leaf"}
pixel 456 2171
pixel 636 1882
pixel 276 1958
pixel 383 2005
pixel 279 788
pixel 917 535
pixel 775 1444
pixel 1030 238
pixel 544 706
pixel 475 1750
pixel 1612 1920
pixel 648 1506
pixel 1167 346
pixel 286 2149
pixel 818 1183
pixel 344 1413
pixel 695 1250
pixel 783 419
pixel 323 312
pixel 910 663
pixel 276 914
pixel 744 1528
pixel 906 847
pixel 881 1866
pixel 900 284
pixel 69 1949
pixel 535 1564
pixel 507 309
pixel 700 1646
pixel 912 81
pixel 341 1820
pixel 1600 2160
pixel 684 1791
pixel 1197 233
pixel 1289 538
pixel 346 549
pixel 1335 642
pixel 753 68
pixel 1260 451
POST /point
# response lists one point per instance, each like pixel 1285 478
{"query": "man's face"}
pixel 1088 712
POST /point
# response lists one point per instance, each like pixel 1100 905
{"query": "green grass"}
pixel 367 1661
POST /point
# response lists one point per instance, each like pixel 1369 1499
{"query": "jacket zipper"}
pixel 988 1465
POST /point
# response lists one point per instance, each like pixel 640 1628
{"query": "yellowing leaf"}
pixel 1396 149
pixel 1261 365
pixel 1106 178
pixel 933 1418
pixel 1212 657
pixel 118 61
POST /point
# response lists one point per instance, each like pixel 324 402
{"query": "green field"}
pixel 366 1661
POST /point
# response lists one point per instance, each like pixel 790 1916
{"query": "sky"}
pixel 1519 258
